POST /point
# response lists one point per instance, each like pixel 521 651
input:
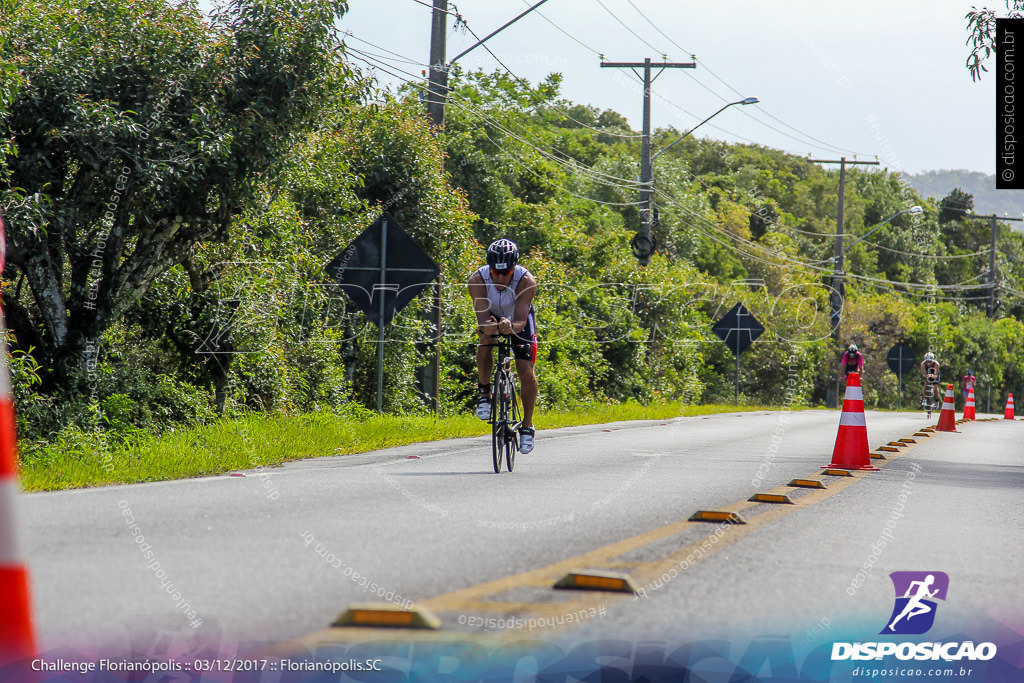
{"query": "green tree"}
pixel 981 34
pixel 134 131
pixel 954 205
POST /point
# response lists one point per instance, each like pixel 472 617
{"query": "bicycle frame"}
pixel 932 403
pixel 505 414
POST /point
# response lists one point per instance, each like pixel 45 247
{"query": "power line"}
pixel 566 33
pixel 570 165
pixel 427 4
pixel 752 115
pixel 397 56
pixel 623 24
pixel 775 258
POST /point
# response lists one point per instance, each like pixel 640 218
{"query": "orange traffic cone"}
pixel 1008 414
pixel 969 406
pixel 17 641
pixel 851 450
pixel 947 418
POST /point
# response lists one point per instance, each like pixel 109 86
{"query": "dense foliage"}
pixel 256 153
pixel 134 131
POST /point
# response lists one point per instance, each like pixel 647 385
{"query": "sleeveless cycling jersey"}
pixel 852 362
pixel 503 303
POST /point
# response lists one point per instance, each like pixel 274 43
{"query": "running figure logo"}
pixel 916 595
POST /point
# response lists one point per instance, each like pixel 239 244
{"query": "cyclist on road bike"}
pixel 930 378
pixel 967 383
pixel 502 294
pixel 852 361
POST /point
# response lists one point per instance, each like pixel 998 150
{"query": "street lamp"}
pixel 746 100
pixel 838 289
pixel 642 244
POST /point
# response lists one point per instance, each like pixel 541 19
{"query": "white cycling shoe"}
pixel 526 439
pixel 483 408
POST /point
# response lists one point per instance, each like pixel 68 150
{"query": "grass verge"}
pixel 83 459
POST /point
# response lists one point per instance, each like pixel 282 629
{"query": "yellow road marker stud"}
pixel 898 444
pixel 385 614
pixel 717 516
pixel 908 441
pixel 807 483
pixel 877 456
pixel 889 449
pixel 770 498
pixel 921 434
pixel 927 430
pixel 837 473
pixel 596 580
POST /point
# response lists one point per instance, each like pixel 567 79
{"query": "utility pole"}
pixel 644 246
pixel 990 306
pixel 437 87
pixel 437 95
pixel 838 287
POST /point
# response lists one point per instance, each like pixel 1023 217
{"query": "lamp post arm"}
pixel 672 144
pixel 492 34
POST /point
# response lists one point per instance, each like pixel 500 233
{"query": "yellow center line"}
pixel 644 574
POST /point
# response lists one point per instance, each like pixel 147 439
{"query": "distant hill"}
pixel 987 199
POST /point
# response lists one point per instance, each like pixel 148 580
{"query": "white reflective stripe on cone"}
pixel 853 420
pixel 947 405
pixel 854 394
pixel 5 377
pixel 10 551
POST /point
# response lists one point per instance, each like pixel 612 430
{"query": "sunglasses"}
pixel 495 271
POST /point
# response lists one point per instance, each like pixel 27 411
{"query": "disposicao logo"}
pixel 916 595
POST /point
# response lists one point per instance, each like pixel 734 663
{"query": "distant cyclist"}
pixel 852 361
pixel 502 294
pixel 967 383
pixel 930 377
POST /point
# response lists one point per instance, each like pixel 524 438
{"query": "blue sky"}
pixel 834 79
pixel 868 78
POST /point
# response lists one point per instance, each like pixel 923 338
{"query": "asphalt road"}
pixel 275 555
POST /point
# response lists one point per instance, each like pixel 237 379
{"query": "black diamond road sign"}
pixel 901 359
pixel 738 329
pixel 383 269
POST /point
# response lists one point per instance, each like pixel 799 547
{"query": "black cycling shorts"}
pixel 524 344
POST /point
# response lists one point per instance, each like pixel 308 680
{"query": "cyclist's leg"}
pixel 524 348
pixel 527 389
pixel 484 369
pixel 484 359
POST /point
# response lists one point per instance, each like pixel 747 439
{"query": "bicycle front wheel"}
pixel 499 422
pixel 497 444
pixel 512 439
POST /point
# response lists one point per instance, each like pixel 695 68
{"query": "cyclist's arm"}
pixel 481 304
pixel 524 299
